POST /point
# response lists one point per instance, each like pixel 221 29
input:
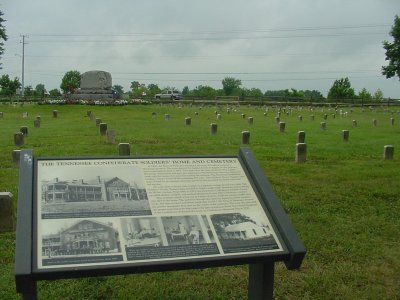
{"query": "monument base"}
pixel 94 97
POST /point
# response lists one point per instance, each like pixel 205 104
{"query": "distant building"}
pixel 84 237
pixel 114 189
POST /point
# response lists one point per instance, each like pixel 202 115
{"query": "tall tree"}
pixel 341 89
pixel 54 93
pixel 28 91
pixel 185 90
pixel 378 95
pixel 8 86
pixel 230 84
pixel 119 89
pixel 3 36
pixel 364 94
pixel 135 85
pixel 393 52
pixel 71 81
pixel 153 89
pixel 40 89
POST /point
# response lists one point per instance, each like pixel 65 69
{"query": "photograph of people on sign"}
pixel 170 237
pixel 187 230
pixel 79 241
pixel 244 232
pixel 90 190
pixel 141 232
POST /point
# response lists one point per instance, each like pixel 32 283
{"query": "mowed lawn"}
pixel 344 201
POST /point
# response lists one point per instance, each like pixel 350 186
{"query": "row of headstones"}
pixel 250 120
pixel 301 152
pixel 25 114
pixel 23 131
pixel 301 146
pixel 103 128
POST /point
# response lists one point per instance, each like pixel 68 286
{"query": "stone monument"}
pixel 95 85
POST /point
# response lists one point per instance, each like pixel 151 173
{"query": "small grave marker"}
pixel 18 139
pixel 213 128
pixel 188 121
pixel 245 137
pixel 103 128
pixel 345 135
pixel 388 152
pixel 301 152
pixel 282 126
pixel 6 212
pixel 55 113
pixel 124 149
pixel 323 125
pixel 15 155
pixel 36 123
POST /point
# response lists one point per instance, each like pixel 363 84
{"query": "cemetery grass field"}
pixel 344 201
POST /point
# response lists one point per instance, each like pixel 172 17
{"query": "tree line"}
pixel 232 87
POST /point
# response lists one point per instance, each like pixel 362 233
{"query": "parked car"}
pixel 169 94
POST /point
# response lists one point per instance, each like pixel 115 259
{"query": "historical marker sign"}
pixel 97 211
pixel 103 216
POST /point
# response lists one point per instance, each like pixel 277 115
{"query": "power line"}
pixel 207 38
pixel 199 56
pixel 226 73
pixel 316 28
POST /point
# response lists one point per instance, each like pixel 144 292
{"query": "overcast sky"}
pixel 269 44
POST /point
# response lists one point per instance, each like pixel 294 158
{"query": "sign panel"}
pixel 126 211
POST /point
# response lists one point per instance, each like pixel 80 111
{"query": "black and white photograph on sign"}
pixel 187 230
pixel 244 232
pixel 92 191
pixel 79 241
pixel 141 232
pixel 178 236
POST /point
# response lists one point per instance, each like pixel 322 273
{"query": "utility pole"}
pixel 23 65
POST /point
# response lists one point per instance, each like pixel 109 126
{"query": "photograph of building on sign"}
pixel 79 241
pixel 93 192
pixel 141 232
pixel 244 232
pixel 187 230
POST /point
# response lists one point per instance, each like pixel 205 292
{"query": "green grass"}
pixel 344 201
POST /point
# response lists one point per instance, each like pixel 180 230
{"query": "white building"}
pixel 246 231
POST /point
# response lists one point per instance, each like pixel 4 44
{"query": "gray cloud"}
pixel 299 44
